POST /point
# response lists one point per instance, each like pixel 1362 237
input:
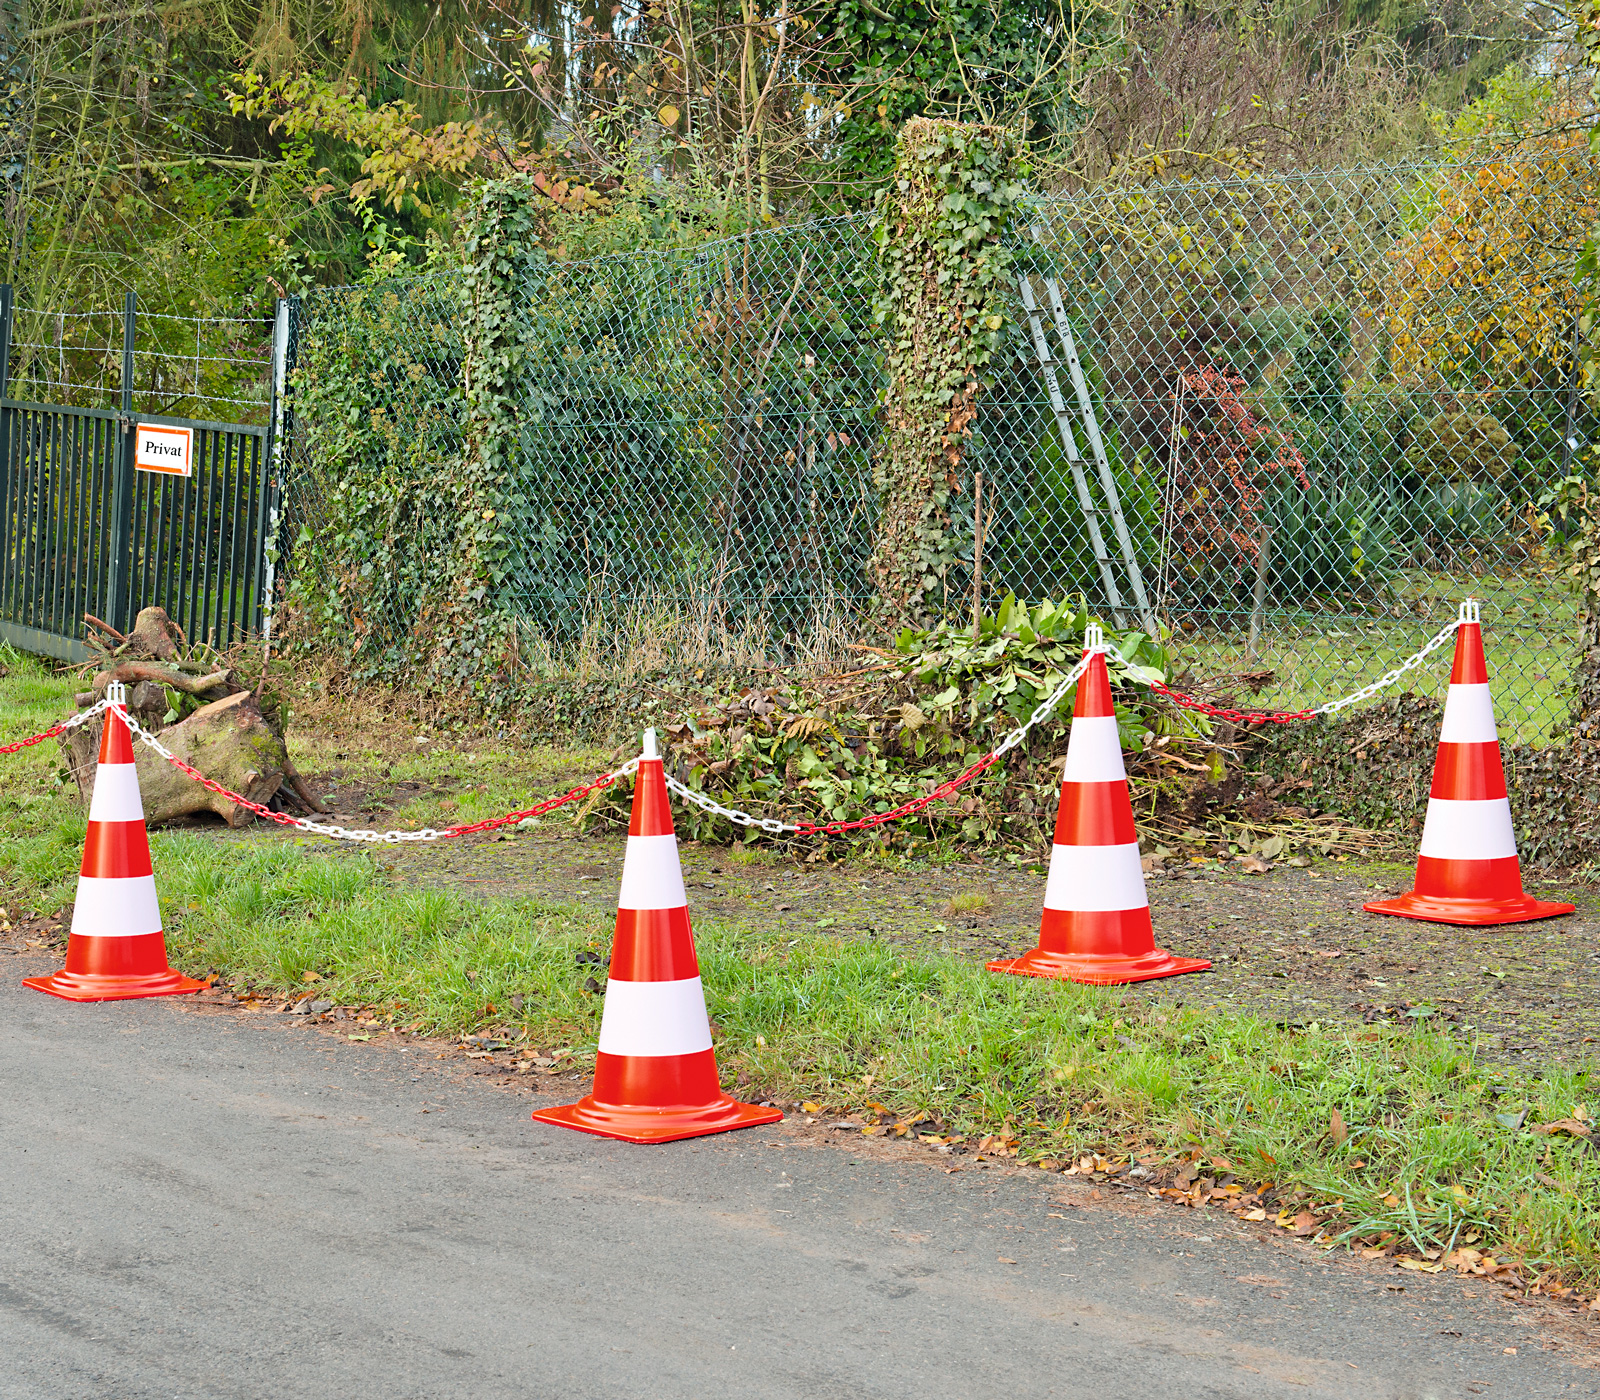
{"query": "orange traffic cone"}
pixel 1467 870
pixel 1096 926
pixel 655 1076
pixel 116 950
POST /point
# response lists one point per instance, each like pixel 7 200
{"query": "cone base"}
pixel 92 986
pixel 1442 909
pixel 657 1124
pixel 1098 969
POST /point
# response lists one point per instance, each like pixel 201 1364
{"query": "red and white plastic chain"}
pixel 1094 642
pixel 1468 613
pixel 56 730
pixel 340 833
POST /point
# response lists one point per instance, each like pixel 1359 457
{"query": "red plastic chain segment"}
pixel 490 823
pixel 1189 702
pixel 467 829
pixel 22 744
pixel 906 809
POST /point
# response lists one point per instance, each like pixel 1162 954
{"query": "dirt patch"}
pixel 1292 945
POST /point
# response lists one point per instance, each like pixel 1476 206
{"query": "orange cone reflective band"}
pixel 1467 871
pixel 1096 926
pixel 116 950
pixel 655 1076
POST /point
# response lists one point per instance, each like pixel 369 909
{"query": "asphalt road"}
pixel 198 1204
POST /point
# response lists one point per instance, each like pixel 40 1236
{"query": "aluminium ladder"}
pixel 1092 511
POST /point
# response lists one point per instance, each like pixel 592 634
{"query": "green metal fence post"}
pixel 119 609
pixel 6 299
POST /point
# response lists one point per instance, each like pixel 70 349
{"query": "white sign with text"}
pixel 159 448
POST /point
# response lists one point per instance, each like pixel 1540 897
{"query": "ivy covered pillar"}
pixel 945 272
pixel 471 633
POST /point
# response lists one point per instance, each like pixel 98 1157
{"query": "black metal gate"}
pixel 84 530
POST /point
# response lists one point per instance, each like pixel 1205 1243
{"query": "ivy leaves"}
pixel 944 262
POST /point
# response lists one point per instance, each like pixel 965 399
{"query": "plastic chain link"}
pixel 1094 641
pixel 56 730
pixel 340 833
pixel 1469 613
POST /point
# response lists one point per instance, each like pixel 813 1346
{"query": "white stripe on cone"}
pixel 116 908
pixel 1094 752
pixel 651 875
pixel 1468 716
pixel 1094 879
pixel 655 1018
pixel 1478 830
pixel 116 794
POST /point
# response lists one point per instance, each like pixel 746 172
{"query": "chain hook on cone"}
pixel 1467 869
pixel 1096 926
pixel 116 950
pixel 655 1075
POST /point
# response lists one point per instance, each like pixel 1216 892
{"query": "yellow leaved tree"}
pixel 1481 293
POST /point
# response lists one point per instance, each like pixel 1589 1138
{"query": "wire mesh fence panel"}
pixel 697 431
pixel 1330 403
pixel 379 416
pixel 1289 419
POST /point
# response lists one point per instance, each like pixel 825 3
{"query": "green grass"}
pixel 1062 1069
pixel 41 821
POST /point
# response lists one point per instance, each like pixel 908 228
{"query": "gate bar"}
pixel 118 603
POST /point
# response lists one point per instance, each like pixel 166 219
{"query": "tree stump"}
pixel 230 741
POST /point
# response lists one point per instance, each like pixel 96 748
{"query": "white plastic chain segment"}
pixel 1094 638
pixel 116 694
pixel 1471 611
pixel 1411 662
pixel 84 716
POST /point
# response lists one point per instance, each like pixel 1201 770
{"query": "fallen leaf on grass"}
pixel 1257 1214
pixel 1304 1224
pixel 1421 1266
pixel 1571 1126
pixel 811 1108
pixel 358 1037
pixel 1336 1128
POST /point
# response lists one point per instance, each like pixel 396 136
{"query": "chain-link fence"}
pixel 1292 418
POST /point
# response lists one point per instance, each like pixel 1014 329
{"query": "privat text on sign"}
pixel 158 448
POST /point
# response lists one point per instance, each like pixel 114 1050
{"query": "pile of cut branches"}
pixel 209 717
pixel 857 743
